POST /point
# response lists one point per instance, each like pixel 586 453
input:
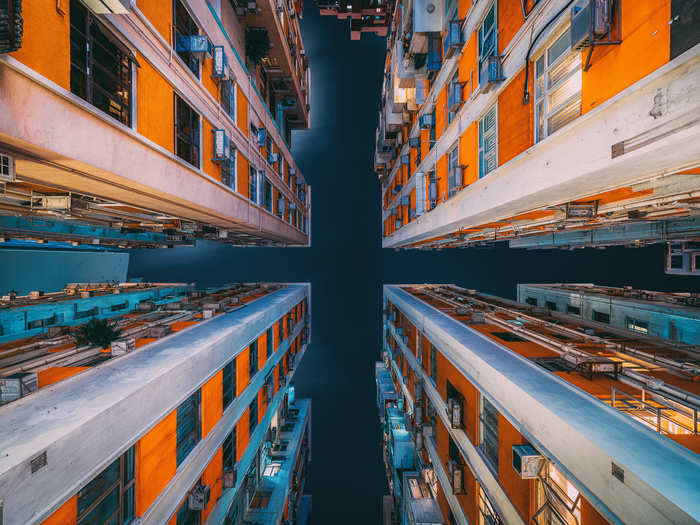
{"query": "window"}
pixel 253 184
pixel 573 309
pixel 637 326
pixel 185 26
pixel 532 301
pixel 488 142
pixel 186 132
pixel 601 317
pixel 253 358
pixel 109 498
pixel 487 516
pixel 228 98
pixel 550 305
pixel 557 86
pixel 559 502
pixel 228 170
pixel 280 329
pixel 100 66
pixel 433 363
pixel 229 451
pixel 270 342
pixel 267 195
pixel 488 36
pixel 185 516
pixel 188 425
pixel 454 182
pixel 488 430
pixel 454 451
pixel 229 383
pixel 253 416
pixel 454 90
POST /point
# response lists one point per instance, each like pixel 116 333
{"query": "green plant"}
pixel 257 44
pixel 97 332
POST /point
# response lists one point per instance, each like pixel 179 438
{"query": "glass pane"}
pixel 129 465
pixel 567 90
pixel 490 119
pixel 104 510
pixel 128 506
pixel 571 65
pixel 565 115
pixel 98 486
pixel 539 121
pixel 558 48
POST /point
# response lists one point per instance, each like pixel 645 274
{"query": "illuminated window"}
pixel 272 468
pixel 557 86
pixel 558 500
pixel 637 326
pixel 487 515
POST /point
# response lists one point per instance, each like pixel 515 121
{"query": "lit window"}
pixel 488 142
pixel 272 468
pixel 100 66
pixel 557 87
pixel 558 500
pixel 487 515
pixel 637 326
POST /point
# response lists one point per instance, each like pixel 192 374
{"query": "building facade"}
pixel 546 124
pixel 512 413
pixel 366 16
pixel 669 315
pixel 152 123
pixel 186 416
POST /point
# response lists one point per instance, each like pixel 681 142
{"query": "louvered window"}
pixel 109 497
pixel 188 425
pixel 488 142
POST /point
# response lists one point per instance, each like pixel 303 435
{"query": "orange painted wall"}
pixel 469 153
pixel 156 108
pixel 242 374
pixel 242 175
pixel 242 437
pixel 515 121
pixel 590 516
pixel 646 45
pixel 242 111
pixel 156 461
pixel 212 477
pixel 441 172
pixel 510 19
pixel 43 23
pixel 208 82
pixel 518 489
pixel 212 402
pixel 441 112
pixel 66 514
pixel 58 373
pixel 262 350
pixel 468 65
pixel 159 13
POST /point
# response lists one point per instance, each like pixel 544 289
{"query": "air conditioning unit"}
pixel 253 7
pixel 432 190
pixel 230 477
pixel 261 136
pixel 273 157
pixel 584 210
pixel 428 16
pixel 55 202
pixel 293 172
pixel 222 146
pixel 405 160
pixel 122 346
pixel 490 73
pixel 454 39
pixel 160 330
pixel 280 205
pixel 456 473
pixel 414 142
pixel 454 412
pixel 220 63
pixel 590 20
pixel 17 385
pixel 196 44
pixel 527 461
pixel 405 201
pixel 427 121
pixel 146 306
pixel 198 498
pixel 7 167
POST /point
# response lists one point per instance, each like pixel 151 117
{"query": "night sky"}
pixel 347 267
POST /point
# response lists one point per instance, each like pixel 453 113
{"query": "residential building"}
pixel 366 16
pixel 560 123
pixel 152 123
pixel 670 315
pixel 186 415
pixel 513 413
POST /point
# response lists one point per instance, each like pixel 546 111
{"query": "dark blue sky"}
pixel 347 267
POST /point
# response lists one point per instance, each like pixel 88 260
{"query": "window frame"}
pixel 253 363
pixel 253 411
pixel 484 424
pixel 186 60
pixel 122 484
pixel 481 57
pixel 196 430
pixel 128 86
pixel 542 97
pixel 483 136
pixel 229 391
pixel 637 325
pixel 177 126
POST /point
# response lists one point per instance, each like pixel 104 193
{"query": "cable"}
pixel 526 91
